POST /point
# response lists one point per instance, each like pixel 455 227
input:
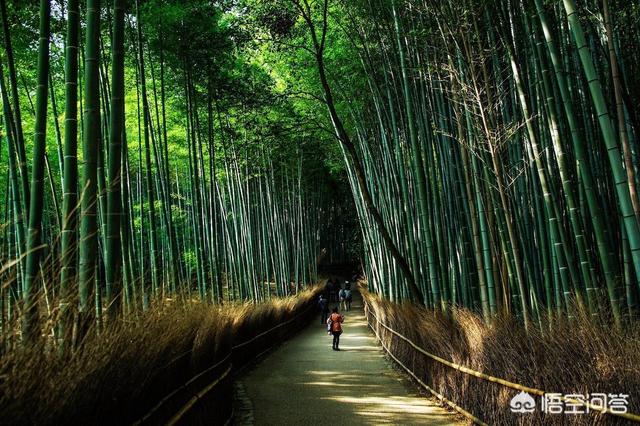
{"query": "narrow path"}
pixel 304 382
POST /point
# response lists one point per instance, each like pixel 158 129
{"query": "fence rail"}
pixel 194 396
pixel 466 370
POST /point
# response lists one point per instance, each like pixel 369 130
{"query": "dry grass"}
pixel 581 357
pixel 118 376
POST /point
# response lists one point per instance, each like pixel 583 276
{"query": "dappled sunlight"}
pixel 322 373
pixel 342 385
pixel 353 386
pixel 358 348
pixel 393 409
pixel 386 404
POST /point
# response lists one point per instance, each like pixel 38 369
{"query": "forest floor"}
pixel 304 382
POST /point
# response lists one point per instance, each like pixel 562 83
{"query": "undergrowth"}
pixel 577 357
pixel 118 375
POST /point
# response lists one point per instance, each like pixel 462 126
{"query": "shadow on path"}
pixel 304 382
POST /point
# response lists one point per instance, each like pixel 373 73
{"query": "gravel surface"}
pixel 304 382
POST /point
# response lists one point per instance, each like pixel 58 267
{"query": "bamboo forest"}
pixel 187 186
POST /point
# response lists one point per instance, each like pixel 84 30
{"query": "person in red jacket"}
pixel 336 321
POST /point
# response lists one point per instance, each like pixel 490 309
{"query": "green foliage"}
pixel 235 152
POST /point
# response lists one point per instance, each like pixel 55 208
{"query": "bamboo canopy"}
pixel 464 153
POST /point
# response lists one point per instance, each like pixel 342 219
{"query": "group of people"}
pixel 334 292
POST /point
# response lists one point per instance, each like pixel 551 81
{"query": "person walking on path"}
pixel 323 307
pixel 333 291
pixel 343 299
pixel 348 299
pixel 328 287
pixel 336 321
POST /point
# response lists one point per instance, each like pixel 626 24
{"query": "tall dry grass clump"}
pixel 253 325
pixel 120 374
pixel 576 357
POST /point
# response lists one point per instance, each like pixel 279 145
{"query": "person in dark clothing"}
pixel 342 295
pixel 323 306
pixel 327 288
pixel 348 299
pixel 333 291
pixel 336 327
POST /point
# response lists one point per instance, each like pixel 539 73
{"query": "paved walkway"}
pixel 304 382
